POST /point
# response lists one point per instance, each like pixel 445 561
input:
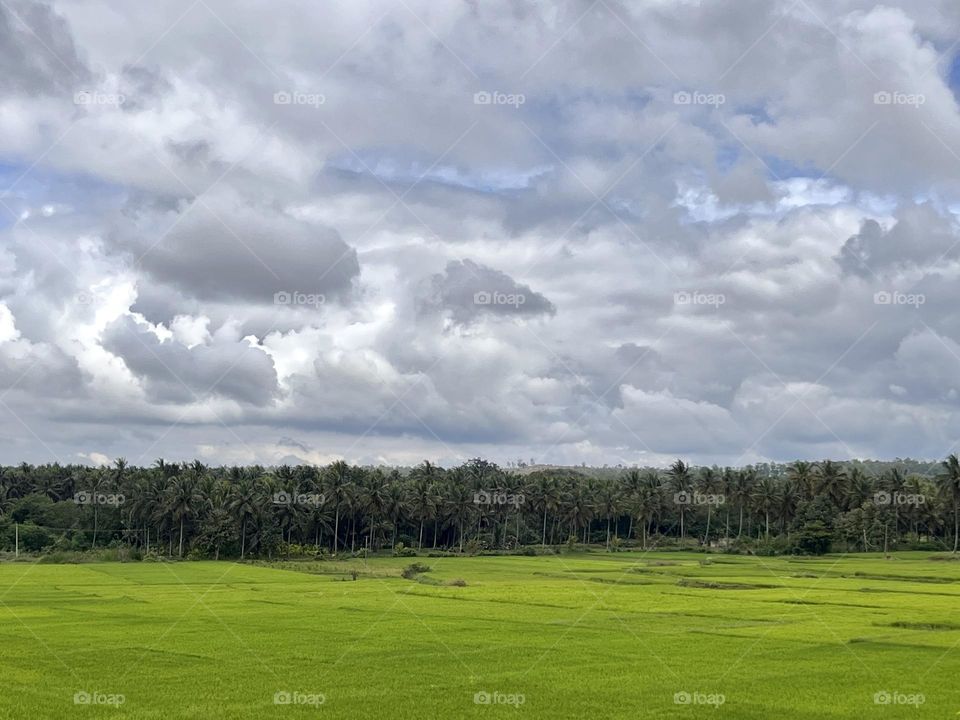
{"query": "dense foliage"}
pixel 191 509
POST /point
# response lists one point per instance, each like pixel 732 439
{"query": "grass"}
pixel 577 635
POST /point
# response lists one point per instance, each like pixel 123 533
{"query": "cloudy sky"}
pixel 572 231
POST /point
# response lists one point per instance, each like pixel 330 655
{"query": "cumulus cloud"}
pixel 607 233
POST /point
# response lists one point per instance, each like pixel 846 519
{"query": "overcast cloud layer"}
pixel 600 232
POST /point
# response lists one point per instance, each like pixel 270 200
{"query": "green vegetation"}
pixel 200 512
pixel 583 634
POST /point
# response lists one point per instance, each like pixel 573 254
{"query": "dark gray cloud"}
pixel 219 251
pixel 174 373
pixel 469 290
pixel 921 237
pixel 37 52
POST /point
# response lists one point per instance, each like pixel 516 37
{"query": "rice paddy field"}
pixel 625 635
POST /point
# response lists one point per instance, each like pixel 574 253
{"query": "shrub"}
pixel 401 550
pixel 414 569
pixel 458 582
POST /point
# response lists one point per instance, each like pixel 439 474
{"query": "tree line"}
pixel 191 509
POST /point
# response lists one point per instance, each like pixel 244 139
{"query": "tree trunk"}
pixel 243 538
pixel 543 539
pixel 706 536
pixel 336 528
pixel 420 541
pixel 181 536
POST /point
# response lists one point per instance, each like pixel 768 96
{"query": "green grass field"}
pixel 582 635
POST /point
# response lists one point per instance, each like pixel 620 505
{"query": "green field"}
pixel 570 636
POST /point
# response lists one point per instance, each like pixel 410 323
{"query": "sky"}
pixel 563 232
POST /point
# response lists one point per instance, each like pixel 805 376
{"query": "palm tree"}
pixel 542 489
pixel 949 480
pixel 766 497
pixel 244 501
pixel 742 490
pixel 183 501
pixel 680 482
pixel 802 473
pixel 395 507
pixel 337 482
pixel 423 502
pixel 645 503
pixel 608 504
pixel 706 483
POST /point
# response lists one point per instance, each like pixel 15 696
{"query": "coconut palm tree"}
pixel 949 480
pixel 765 497
pixel 681 482
pixel 707 482
pixel 245 499
pixel 803 474
pixel 337 482
pixel 183 501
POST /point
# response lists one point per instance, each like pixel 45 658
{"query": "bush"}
pixel 401 550
pixel 459 582
pixel 414 569
pixel 34 538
